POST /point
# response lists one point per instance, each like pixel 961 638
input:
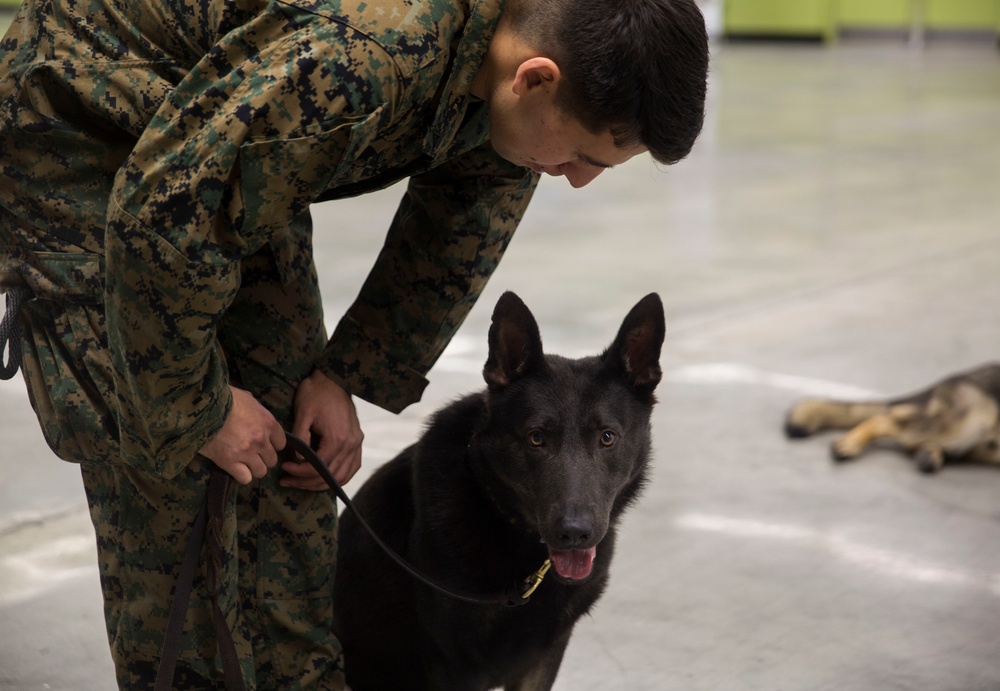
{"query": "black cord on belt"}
pixel 10 331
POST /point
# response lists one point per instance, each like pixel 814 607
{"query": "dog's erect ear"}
pixel 515 344
pixel 636 348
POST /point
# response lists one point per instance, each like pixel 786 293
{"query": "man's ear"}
pixel 535 72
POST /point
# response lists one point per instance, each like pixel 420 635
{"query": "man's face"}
pixel 540 136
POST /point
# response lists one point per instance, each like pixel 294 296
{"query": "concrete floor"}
pixel 836 231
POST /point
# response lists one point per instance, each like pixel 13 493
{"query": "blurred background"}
pixel 836 231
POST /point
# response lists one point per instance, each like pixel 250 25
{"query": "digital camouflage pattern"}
pixel 157 162
pixel 280 544
pixel 208 137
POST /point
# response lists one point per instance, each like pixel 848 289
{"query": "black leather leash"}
pixel 208 527
pixel 515 594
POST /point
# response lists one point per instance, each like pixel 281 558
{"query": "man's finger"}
pixel 241 473
pixel 277 437
pixel 345 466
pixel 269 457
pixel 258 468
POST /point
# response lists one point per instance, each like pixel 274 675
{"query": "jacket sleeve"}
pixel 241 147
pixel 445 241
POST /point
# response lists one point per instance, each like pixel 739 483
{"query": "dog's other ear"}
pixel 515 344
pixel 636 349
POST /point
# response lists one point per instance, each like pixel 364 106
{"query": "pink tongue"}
pixel 574 564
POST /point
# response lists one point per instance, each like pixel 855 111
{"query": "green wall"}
pixel 826 17
pixel 779 17
pixel 962 14
pixel 875 14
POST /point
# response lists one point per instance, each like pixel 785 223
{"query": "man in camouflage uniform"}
pixel 157 163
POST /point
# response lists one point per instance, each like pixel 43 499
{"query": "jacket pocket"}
pixel 66 277
pixel 280 178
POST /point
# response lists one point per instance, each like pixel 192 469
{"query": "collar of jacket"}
pixel 484 15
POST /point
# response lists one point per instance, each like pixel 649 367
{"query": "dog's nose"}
pixel 575 531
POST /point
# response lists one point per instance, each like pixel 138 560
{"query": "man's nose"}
pixel 580 176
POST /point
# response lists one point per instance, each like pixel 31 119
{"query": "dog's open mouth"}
pixel 574 564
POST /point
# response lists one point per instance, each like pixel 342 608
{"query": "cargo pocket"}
pixel 65 356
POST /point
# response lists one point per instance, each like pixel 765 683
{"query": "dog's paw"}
pixel 795 430
pixel 843 450
pixel 929 461
pixel 800 422
pixel 805 418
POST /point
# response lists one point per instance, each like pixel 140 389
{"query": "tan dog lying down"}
pixel 957 418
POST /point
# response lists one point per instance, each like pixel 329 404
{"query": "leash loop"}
pixel 182 594
pixel 218 489
pixel 206 531
pixel 10 331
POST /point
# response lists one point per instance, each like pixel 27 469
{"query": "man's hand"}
pixel 247 445
pixel 324 411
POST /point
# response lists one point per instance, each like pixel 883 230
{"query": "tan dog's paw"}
pixel 802 420
pixel 844 449
pixel 929 460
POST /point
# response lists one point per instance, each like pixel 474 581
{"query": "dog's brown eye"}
pixel 608 438
pixel 536 438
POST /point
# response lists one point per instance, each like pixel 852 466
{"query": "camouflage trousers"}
pixel 279 544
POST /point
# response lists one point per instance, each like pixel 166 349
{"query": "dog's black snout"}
pixel 575 531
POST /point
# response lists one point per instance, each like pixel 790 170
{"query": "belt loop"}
pixel 10 331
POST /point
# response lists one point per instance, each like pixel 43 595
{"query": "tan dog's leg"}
pixel 813 415
pixel 889 425
pixel 853 444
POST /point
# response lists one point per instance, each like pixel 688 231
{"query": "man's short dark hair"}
pixel 636 67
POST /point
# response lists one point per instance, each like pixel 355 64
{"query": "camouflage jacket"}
pixel 147 146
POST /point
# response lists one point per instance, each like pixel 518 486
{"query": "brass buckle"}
pixel 534 580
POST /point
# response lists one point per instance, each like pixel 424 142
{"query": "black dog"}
pixel 541 465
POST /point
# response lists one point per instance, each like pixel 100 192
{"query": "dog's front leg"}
pixel 542 676
pixel 884 426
